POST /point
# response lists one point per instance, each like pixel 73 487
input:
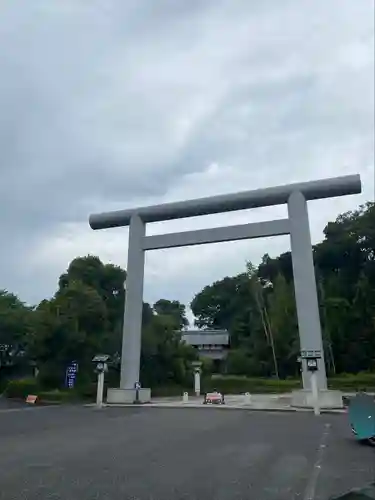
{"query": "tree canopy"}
pixel 257 306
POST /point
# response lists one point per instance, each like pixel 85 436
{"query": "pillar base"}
pixel 128 396
pixel 327 399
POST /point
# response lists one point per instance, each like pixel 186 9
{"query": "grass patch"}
pixel 58 396
pixel 234 384
pixel 348 382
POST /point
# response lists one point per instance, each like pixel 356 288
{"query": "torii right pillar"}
pixel 309 325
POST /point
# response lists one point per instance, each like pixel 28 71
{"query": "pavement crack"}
pixel 313 480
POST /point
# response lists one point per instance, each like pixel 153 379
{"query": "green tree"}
pixel 173 309
pixel 345 261
pixel 227 304
pixel 283 321
pixel 86 316
pixel 72 326
pixel 108 281
pixel 257 290
pixel 243 362
pixel 270 268
pixel 15 328
pixel 165 359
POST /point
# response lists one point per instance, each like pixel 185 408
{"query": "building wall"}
pixel 206 337
pixel 213 344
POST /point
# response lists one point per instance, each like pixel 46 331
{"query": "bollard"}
pixel 185 397
pixel 247 398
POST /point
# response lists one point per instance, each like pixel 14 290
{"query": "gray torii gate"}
pixel 297 225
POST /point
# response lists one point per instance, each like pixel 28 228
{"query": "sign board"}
pixel 71 374
pixel 74 366
pixel 31 399
pixel 101 358
pixel 311 354
pixel 312 364
pixel 137 386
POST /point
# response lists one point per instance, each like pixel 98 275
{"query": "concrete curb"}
pixel 221 407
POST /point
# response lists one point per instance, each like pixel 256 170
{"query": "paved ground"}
pixel 8 403
pixel 277 402
pixel 80 453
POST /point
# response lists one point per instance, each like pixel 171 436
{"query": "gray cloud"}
pixel 112 104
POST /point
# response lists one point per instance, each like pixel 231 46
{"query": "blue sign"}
pixel 71 374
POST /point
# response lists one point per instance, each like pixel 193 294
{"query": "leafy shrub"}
pixel 3 385
pixel 348 382
pixel 88 391
pixel 57 396
pixel 112 377
pixel 235 384
pixel 169 391
pixel 51 375
pixel 232 384
pixel 21 388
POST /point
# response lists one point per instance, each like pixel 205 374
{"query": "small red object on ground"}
pixel 31 399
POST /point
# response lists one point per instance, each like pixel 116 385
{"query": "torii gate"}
pixel 297 225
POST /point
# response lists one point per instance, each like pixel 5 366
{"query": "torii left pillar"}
pixel 132 324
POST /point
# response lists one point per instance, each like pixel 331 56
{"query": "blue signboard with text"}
pixel 71 374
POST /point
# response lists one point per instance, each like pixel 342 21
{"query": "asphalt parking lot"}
pixel 77 453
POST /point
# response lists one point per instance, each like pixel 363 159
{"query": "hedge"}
pixel 348 382
pixel 3 385
pixel 233 384
pixel 21 388
pixel 170 391
pixel 57 396
pixel 230 385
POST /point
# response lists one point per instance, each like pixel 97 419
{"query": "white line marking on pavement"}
pixel 311 485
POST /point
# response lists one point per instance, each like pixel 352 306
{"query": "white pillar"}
pixel 305 286
pixel 100 388
pixel 132 325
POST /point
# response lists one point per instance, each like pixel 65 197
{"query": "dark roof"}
pixel 205 332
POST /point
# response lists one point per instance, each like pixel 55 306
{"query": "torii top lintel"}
pixel 313 190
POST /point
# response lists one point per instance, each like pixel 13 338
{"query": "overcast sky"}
pixel 118 103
